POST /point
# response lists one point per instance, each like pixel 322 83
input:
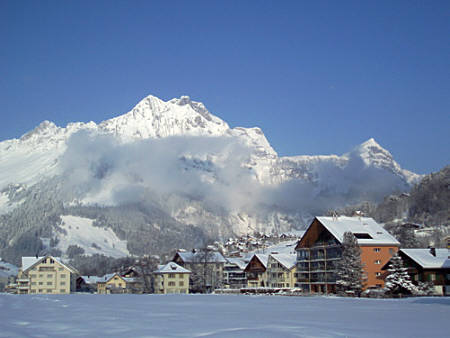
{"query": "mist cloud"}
pixel 100 169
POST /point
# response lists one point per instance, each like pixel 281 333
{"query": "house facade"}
pixel 206 269
pixel 320 249
pixel 234 276
pixel 46 275
pixel 171 278
pixel 256 271
pixel 114 283
pixel 281 269
pixel 427 265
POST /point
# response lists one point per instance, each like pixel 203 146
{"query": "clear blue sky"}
pixel 318 77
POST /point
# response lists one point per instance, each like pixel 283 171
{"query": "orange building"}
pixel 320 249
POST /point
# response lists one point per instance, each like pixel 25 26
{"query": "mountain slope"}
pixel 174 165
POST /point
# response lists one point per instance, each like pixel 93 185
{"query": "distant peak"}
pixel 183 100
pixel 371 143
pixel 43 128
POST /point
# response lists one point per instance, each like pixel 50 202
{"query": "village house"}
pixel 87 283
pixel 256 271
pixel 234 276
pixel 171 278
pixel 427 265
pixel 115 283
pixel 46 275
pixel 320 249
pixel 206 267
pixel 281 270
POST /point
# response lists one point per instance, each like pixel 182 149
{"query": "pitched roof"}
pixel 212 257
pixel 425 259
pixel 91 279
pixel 28 262
pixel 239 262
pixel 263 258
pixel 377 235
pixel 171 267
pixel 287 260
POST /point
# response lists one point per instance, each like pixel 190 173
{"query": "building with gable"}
pixel 256 271
pixel 320 249
pixel 171 278
pixel 115 283
pixel 427 265
pixel 281 270
pixel 46 275
pixel 206 268
pixel 234 276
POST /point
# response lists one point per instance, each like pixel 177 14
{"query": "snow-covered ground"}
pixel 80 231
pixel 220 316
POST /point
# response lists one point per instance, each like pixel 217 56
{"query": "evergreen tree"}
pixel 350 273
pixel 398 281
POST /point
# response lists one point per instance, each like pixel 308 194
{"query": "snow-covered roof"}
pixel 212 257
pixel 171 267
pixel 287 260
pixel 446 264
pixel 263 258
pixel 239 262
pixel 425 259
pixel 107 277
pixel 28 262
pixel 337 226
pixel 92 279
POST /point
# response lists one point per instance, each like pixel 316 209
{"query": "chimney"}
pixel 433 251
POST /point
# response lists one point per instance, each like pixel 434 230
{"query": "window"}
pixel 41 283
pixel 33 291
pixel 180 275
pixel 49 283
pixel 33 283
pixel 49 275
pixel 62 283
pixel 33 276
pixel 62 290
pixel 377 261
pixel 171 275
pixel 362 236
pixel 61 269
pixel 63 275
pixel 49 290
pixel 391 251
pixel 41 275
pixel 51 261
pixel 41 290
pixel 377 249
pixel 171 283
pixel 377 274
pixel 181 283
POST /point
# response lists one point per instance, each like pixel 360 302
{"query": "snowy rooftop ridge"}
pixel 212 257
pixel 287 260
pixel 362 226
pixel 171 267
pixel 425 259
pixel 28 262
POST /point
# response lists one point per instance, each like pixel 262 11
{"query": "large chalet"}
pixel 320 249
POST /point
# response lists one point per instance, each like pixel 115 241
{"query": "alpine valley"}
pixel 169 175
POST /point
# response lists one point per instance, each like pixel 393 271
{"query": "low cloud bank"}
pixel 102 170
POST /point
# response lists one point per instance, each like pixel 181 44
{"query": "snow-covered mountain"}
pixel 189 168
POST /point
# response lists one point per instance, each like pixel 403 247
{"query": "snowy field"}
pixel 220 316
